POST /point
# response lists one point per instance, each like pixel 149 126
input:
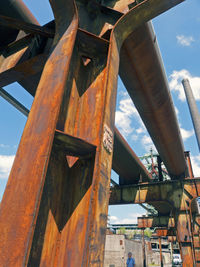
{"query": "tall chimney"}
pixel 193 109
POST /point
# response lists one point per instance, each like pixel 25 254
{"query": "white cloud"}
pixel 113 218
pixel 5 165
pixel 177 111
pixel 146 140
pixel 196 165
pixel 131 219
pixel 148 143
pixel 186 133
pixel 184 40
pixel 134 137
pixel 126 105
pixel 4 146
pixel 123 122
pixel 125 116
pixel 140 130
pixel 175 83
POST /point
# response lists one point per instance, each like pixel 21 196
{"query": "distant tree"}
pixel 147 232
pixel 122 230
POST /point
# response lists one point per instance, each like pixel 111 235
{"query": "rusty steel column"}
pixel 143 249
pixel 21 200
pixel 190 170
pixel 54 210
pixel 160 247
pixel 171 248
pixel 193 109
pixel 184 238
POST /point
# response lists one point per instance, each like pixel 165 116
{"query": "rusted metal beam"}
pixel 25 26
pixel 35 147
pixel 22 70
pixel 163 232
pixel 126 163
pixel 121 150
pixel 184 238
pixel 152 192
pixel 155 221
pixel 18 10
pixel 143 249
pixel 189 164
pixel 160 248
pixel 73 146
pixel 17 45
pixel 69 196
pixel 14 102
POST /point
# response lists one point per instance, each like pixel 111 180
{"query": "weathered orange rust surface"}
pixel 25 184
pixel 155 221
pixel 54 210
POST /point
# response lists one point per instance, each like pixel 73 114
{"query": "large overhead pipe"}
pixel 193 109
pixel 143 74
pixel 14 9
pixel 126 163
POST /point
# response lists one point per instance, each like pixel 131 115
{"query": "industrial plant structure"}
pixel 59 185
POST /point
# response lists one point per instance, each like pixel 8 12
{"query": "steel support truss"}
pixel 54 210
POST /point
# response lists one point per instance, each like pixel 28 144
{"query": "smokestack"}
pixel 193 109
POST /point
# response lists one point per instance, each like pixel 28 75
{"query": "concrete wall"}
pixel 117 248
pixel 153 258
pixel 135 247
pixel 114 251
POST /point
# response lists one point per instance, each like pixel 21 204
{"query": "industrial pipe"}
pixel 14 9
pixel 126 163
pixel 143 74
pixel 193 109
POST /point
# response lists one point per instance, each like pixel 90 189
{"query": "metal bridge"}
pixel 54 209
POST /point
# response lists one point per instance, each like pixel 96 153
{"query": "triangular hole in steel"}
pixel 71 160
pixel 86 60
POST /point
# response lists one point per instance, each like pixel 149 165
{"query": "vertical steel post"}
pixel 171 245
pixel 143 249
pixel 159 161
pixel 190 170
pixel 54 210
pixel 184 238
pixel 160 247
pixel 193 108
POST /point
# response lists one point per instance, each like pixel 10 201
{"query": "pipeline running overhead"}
pixel 126 163
pixel 143 74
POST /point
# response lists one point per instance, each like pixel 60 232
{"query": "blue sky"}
pixel 178 36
